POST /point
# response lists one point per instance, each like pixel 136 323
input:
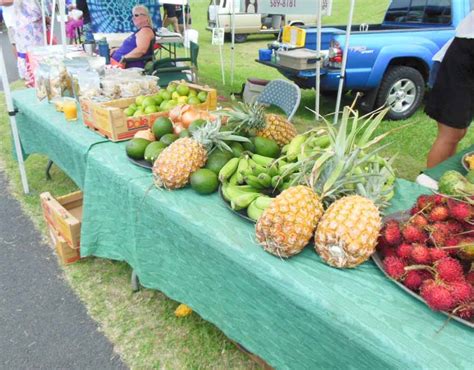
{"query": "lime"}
pixel 217 159
pixel 204 181
pixel 171 88
pixel 136 148
pixel 193 100
pixel 158 99
pixel 266 147
pixel 174 95
pixel 249 146
pixel 192 92
pixel 166 95
pixel 182 100
pixel 162 126
pixel 185 133
pixel 133 106
pixel 148 101
pixel 139 100
pixel 202 96
pixel 129 111
pixel 169 138
pixel 171 104
pixel 196 124
pixel 470 176
pixel 153 150
pixel 138 113
pixel 237 148
pixel 150 109
pixel 183 90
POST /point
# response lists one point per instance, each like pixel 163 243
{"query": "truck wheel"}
pixel 240 37
pixel 402 89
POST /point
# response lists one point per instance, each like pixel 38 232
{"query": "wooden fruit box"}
pixel 210 103
pixel 66 254
pixel 64 216
pixel 109 120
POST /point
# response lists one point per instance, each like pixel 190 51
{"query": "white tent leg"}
pixel 220 46
pixel 232 46
pixel 11 112
pixel 53 17
pixel 318 63
pixel 62 14
pixel 43 15
pixel 344 62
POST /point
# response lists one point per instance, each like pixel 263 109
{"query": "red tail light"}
pixel 334 55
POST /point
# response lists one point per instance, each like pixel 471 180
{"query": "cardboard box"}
pixel 300 59
pixel 64 216
pixel 109 120
pixel 66 254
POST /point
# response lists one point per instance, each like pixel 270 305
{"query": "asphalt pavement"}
pixel 43 325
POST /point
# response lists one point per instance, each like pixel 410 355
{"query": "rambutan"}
pixel 439 199
pixel 461 291
pixel 413 280
pixel 412 234
pixel 404 250
pixel 470 277
pixel 449 269
pixel 414 211
pixel 437 254
pixel 394 266
pixel 425 274
pixel 453 227
pixel 392 233
pixel 465 312
pixel 419 221
pixel 436 295
pixel 459 210
pixel 420 254
pixel 437 238
pixel 424 202
pixel 438 213
pixel 452 242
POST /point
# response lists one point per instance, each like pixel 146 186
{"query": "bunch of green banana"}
pixel 256 208
pixel 305 145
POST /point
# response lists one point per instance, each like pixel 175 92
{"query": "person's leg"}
pixel 445 144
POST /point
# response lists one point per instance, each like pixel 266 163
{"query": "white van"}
pixel 249 21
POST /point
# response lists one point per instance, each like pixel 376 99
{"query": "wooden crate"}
pixel 211 102
pixel 66 254
pixel 109 120
pixel 64 216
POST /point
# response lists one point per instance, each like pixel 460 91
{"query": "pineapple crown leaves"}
pixel 245 116
pixel 210 136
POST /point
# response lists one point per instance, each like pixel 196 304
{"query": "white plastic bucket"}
pixel 190 35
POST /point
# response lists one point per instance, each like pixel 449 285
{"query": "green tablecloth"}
pixel 453 163
pixel 297 313
pixel 43 130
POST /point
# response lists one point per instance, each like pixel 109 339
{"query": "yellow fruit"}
pixel 182 310
pixel 288 224
pixel 177 162
pixel 252 119
pixel 347 233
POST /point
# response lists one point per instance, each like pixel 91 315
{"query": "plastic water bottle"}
pixel 273 56
pixel 104 50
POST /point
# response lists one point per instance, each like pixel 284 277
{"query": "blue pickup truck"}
pixel 389 62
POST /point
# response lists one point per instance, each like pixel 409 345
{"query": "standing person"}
pixel 9 19
pixel 451 102
pixel 187 16
pixel 170 17
pixel 86 18
pixel 28 30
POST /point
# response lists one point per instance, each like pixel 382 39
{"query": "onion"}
pixel 188 117
pixel 175 113
pixel 178 129
pixel 145 134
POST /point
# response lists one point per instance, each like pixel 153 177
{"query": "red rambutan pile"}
pixel 470 277
pixel 437 296
pixel 420 254
pixel 424 202
pixel 404 250
pixel 459 210
pixel 449 269
pixel 412 234
pixel 392 233
pixel 438 213
pixel 394 266
pixel 437 254
pixel 461 291
pixel 419 221
pixel 413 280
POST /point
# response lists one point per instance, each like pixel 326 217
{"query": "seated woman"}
pixel 138 44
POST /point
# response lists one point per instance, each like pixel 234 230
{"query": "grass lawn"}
pixel 142 325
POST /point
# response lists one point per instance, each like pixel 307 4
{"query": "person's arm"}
pixel 143 37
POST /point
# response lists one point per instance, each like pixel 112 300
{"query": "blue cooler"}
pixel 264 55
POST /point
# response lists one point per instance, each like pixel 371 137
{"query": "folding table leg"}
pixel 48 168
pixel 135 282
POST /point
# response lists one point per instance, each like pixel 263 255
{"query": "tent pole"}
pixel 43 15
pixel 11 113
pixel 220 46
pixel 344 62
pixel 53 17
pixel 232 47
pixel 62 14
pixel 318 63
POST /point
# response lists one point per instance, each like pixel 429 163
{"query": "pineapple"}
pixel 283 232
pixel 328 178
pixel 347 233
pixel 251 118
pixel 175 165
